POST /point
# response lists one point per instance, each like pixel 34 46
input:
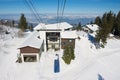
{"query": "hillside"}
pixel 88 64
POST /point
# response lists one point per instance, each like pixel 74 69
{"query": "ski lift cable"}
pixel 62 11
pixel 33 11
pixel 41 20
pixel 31 2
pixel 63 8
pixel 28 5
pixel 58 13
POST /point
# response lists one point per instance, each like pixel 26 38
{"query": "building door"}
pixel 52 38
pixel 30 58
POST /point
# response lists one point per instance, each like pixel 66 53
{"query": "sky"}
pixel 50 6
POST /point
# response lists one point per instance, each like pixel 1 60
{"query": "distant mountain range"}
pixel 51 18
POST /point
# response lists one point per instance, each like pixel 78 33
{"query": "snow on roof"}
pixel 62 25
pixel 68 34
pixel 93 27
pixel 32 41
pixel 111 35
pixel 39 26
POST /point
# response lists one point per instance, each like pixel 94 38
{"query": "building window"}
pixel 53 38
pixel 63 43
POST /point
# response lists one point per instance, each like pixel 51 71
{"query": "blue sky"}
pixel 72 6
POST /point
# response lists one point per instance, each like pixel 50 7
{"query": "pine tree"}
pixel 72 53
pixel 68 54
pixel 114 25
pixel 98 21
pixel 79 27
pixel 22 23
pixel 117 26
pixel 107 22
pixel 101 31
pixel 104 28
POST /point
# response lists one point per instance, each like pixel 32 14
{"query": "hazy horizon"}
pixel 52 18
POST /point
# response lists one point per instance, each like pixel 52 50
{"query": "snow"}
pixel 93 27
pixel 62 26
pixel 88 63
pixel 68 34
pixel 39 26
pixel 33 41
pixel 111 35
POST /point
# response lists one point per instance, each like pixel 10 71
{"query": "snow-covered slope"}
pixel 88 62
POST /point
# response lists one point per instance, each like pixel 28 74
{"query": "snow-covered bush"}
pixel 19 60
pixel 78 38
pixel 20 33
